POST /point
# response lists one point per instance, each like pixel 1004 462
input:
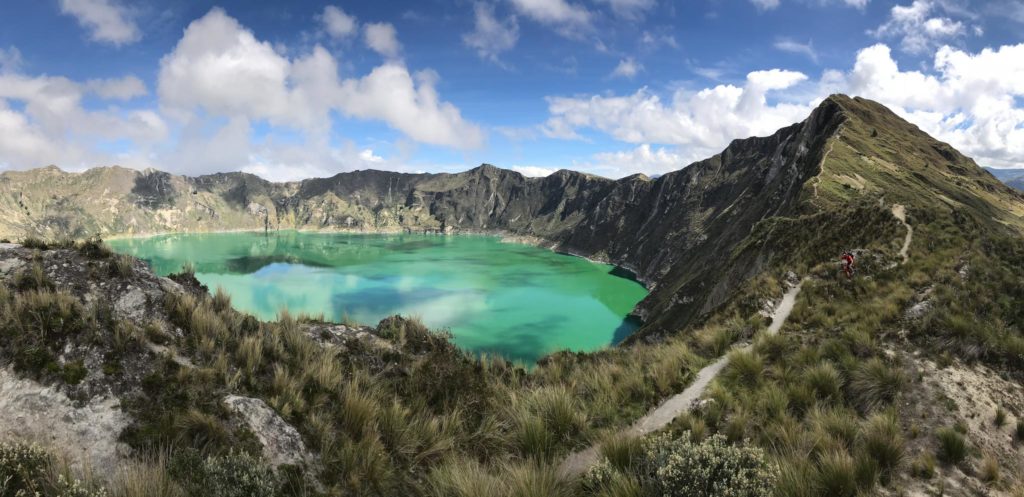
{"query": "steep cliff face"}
pixel 692 235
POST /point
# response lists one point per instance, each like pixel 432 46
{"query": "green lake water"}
pixel 516 300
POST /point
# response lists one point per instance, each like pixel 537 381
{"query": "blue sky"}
pixel 298 89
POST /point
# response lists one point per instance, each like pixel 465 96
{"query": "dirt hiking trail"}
pixel 578 462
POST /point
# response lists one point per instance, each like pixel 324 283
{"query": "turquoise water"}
pixel 520 301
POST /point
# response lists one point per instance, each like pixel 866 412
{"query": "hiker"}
pixel 848 263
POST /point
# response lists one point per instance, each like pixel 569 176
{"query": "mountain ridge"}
pixel 692 235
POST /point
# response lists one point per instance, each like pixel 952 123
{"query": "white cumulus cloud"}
pixel 806 49
pixel 491 36
pixel 125 88
pixel 627 68
pixel 570 18
pixel 630 9
pixel 971 100
pixel 533 171
pixel 382 38
pixel 644 159
pixel 220 67
pixel 918 27
pixel 337 23
pixel 706 119
pixel 107 20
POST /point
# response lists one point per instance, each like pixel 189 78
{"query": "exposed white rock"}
pixel 32 412
pixel 281 442
pixel 132 304
pixel 10 266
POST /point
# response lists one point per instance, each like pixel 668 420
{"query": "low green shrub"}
pixel 681 468
pixel 235 474
pixel 23 468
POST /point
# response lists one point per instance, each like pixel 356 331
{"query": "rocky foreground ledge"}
pixel 99 359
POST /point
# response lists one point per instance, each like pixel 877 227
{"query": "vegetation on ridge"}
pixel 842 402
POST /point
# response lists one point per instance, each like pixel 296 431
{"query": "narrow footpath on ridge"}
pixel 577 463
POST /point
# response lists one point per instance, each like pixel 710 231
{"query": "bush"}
pixel 27 470
pixel 22 469
pixel 952 446
pixel 712 468
pixel 235 474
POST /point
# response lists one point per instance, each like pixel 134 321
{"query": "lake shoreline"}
pixel 504 236
pixel 301 284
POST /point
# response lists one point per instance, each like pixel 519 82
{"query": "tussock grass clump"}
pixel 824 380
pixel 924 466
pixel 883 443
pixel 94 248
pixel 990 471
pixel 623 452
pixel 841 425
pixel 545 419
pixel 147 477
pixel 200 430
pixel 32 242
pixel 745 367
pixel 464 478
pixel 33 278
pixel 875 384
pixel 534 478
pixel 836 474
pixel 121 266
pixel 952 446
pixel 1019 432
pixel 1000 419
pixel 35 329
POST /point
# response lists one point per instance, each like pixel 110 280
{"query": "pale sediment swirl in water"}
pixel 516 300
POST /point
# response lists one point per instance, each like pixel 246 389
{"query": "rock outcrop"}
pixel 282 444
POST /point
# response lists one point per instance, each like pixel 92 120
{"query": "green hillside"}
pixel 904 380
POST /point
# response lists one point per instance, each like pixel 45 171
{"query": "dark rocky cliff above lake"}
pixel 692 235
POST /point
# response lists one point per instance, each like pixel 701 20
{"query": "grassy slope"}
pixel 834 398
pixel 827 399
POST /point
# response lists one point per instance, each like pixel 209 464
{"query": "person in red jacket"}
pixel 848 263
